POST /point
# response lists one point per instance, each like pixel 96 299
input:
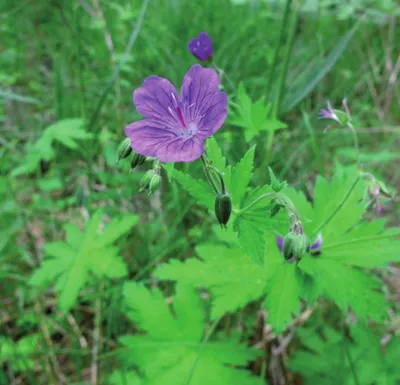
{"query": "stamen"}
pixel 180 115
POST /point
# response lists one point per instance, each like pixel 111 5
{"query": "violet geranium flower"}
pixel 315 246
pixel 201 46
pixel 177 125
pixel 339 116
pixel 328 113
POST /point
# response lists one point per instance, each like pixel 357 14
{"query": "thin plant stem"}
pixel 201 347
pixel 356 145
pixel 283 74
pixel 260 198
pixel 279 45
pixel 339 207
pixel 208 175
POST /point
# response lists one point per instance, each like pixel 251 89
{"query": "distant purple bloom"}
pixel 376 193
pixel 318 243
pixel 315 246
pixel 201 46
pixel 328 113
pixel 346 107
pixel 177 125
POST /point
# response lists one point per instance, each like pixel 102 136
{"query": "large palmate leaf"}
pixel 253 116
pixel 68 263
pixel 67 132
pixel 253 223
pixel 171 351
pixel 337 360
pixel 232 276
pixel 349 243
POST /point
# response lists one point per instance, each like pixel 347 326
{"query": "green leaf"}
pixel 253 116
pixel 254 222
pixel 284 287
pixel 337 359
pixel 215 156
pixel 315 75
pixel 66 132
pixel 232 277
pixel 171 352
pixel 240 176
pixel 124 377
pixel 198 189
pixel 367 245
pixel 347 287
pixel 169 168
pixel 19 354
pixel 69 263
pixel 337 205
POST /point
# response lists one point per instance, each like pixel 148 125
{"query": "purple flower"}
pixel 376 193
pixel 342 117
pixel 176 126
pixel 315 246
pixel 201 46
pixel 328 113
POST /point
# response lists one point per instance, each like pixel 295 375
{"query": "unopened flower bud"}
pixel 137 160
pixel 124 149
pixel 154 183
pixel 295 246
pixel 144 183
pixel 223 208
pixel 276 185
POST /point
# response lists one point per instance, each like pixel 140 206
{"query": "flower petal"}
pixel 202 100
pixel 157 99
pixel 318 243
pixel 279 242
pixel 151 138
pixel 201 46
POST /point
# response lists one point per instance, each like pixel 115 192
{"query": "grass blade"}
pixel 294 97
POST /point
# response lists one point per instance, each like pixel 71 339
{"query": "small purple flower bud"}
pixel 376 193
pixel 279 242
pixel 318 243
pixel 201 46
pixel 328 113
pixel 346 107
pixel 341 117
pixel 223 208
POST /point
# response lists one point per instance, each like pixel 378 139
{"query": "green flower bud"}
pixel 144 183
pixel 124 149
pixel 154 183
pixel 276 185
pixel 223 208
pixel 295 246
pixel 137 160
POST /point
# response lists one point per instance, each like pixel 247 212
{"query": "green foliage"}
pixel 173 350
pixel 253 117
pixel 237 277
pixel 336 359
pixel 19 354
pixel 313 75
pixel 69 263
pixel 227 272
pixel 120 377
pixel 66 132
pixel 253 223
